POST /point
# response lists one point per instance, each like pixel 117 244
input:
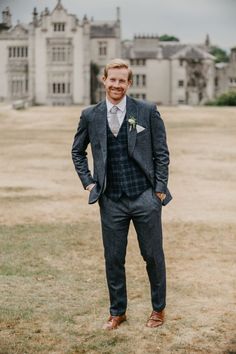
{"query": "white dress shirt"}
pixel 121 111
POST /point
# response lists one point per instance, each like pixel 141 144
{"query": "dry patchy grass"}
pixel 54 298
pixel 53 289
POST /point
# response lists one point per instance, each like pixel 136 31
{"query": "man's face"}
pixel 116 84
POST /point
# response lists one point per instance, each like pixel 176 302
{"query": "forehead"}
pixel 118 73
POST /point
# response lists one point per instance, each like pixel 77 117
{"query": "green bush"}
pixel 227 99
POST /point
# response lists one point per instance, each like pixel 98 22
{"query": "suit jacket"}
pixel 147 147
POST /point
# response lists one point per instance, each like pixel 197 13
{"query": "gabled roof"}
pixel 168 50
pixel 59 7
pixel 139 54
pixel 192 52
pixel 19 29
pixel 165 50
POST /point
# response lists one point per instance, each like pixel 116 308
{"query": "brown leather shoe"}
pixel 156 319
pixel 114 322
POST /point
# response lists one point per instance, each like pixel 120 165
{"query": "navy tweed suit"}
pixel 146 157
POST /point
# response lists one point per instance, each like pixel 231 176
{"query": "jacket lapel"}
pixel 101 127
pixel 131 111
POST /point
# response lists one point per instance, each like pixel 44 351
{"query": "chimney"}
pixel 6 17
pixel 35 17
pixel 207 41
pixel 118 14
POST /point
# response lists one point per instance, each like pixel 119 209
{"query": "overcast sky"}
pixel 189 20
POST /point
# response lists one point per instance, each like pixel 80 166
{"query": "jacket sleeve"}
pixel 79 154
pixel 160 151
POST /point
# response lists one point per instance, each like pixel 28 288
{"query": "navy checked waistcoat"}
pixel 124 176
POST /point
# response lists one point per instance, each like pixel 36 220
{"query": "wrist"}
pixel 90 187
pixel 161 195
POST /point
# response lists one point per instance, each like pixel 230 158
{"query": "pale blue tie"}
pixel 114 123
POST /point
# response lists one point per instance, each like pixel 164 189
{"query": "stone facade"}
pixel 48 61
pixel 51 61
pixel 170 73
pixel 225 79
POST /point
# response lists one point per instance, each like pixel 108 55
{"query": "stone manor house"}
pixel 51 61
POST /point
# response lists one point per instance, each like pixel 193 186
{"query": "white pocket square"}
pixel 139 128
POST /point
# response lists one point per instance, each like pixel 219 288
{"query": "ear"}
pixel 104 79
pixel 130 82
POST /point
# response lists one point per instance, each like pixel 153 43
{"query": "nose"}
pixel 116 83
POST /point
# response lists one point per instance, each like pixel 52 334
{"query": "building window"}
pixel 59 54
pixel 60 88
pixel 59 27
pixel 181 83
pixel 138 95
pixel 181 62
pixel 232 81
pixel 16 88
pixel 102 48
pixel 59 83
pixel 139 80
pixel 143 80
pixel 138 62
pixel 18 52
pixel 19 86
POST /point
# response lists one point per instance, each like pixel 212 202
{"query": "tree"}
pixel 220 54
pixel 168 38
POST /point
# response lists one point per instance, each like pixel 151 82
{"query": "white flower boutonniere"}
pixel 132 122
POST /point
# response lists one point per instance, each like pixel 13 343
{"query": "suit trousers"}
pixel 145 212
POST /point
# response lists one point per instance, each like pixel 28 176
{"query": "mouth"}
pixel 116 91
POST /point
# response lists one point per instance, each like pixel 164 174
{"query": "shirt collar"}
pixel 121 105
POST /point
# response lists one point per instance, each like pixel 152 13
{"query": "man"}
pixel 131 159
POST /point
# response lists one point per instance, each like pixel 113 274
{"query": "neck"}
pixel 114 102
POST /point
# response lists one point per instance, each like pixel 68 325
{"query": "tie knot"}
pixel 114 109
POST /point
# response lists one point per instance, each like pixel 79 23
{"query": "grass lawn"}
pixel 54 298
